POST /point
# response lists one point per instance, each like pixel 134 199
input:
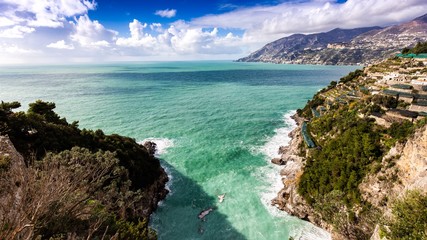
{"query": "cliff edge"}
pixel 58 181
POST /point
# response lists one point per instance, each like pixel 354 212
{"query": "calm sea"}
pixel 217 125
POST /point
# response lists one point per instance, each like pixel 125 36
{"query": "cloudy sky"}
pixel 61 31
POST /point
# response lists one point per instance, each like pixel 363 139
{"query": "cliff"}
pixel 59 181
pixel 342 46
pixel 370 148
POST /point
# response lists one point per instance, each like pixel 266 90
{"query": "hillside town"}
pixel 403 78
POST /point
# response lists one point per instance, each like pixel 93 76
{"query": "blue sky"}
pixel 118 14
pixel 44 31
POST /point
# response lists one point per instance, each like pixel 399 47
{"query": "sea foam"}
pixel 162 144
pixel 272 175
pixel 280 138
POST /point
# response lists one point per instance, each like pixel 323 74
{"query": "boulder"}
pixel 278 161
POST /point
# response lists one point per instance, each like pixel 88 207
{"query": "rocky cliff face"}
pixel 403 168
pixel 288 199
pixel 342 47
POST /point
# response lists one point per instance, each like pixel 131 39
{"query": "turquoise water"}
pixel 217 125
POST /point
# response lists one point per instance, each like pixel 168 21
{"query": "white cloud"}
pixel 16 32
pixel 61 45
pixel 6 21
pixel 179 39
pixel 90 34
pixel 45 13
pixel 14 49
pixel 267 23
pixel 138 37
pixel 167 13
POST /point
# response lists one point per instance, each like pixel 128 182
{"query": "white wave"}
pixel 280 138
pixel 162 144
pixel 271 175
pixel 168 185
pixel 310 232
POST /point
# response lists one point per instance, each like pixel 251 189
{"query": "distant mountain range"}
pixel 342 46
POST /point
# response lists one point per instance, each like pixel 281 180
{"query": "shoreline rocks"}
pixel 288 199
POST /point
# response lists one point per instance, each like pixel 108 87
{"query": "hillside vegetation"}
pixel 354 124
pixel 75 182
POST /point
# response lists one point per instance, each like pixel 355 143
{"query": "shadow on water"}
pixel 177 217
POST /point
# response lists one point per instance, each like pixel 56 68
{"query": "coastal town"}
pixel 404 78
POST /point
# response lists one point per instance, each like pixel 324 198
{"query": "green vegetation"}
pixel 79 183
pixel 343 159
pixel 385 101
pixel 311 104
pixel 350 146
pixel 351 76
pixel 409 218
pixel 419 48
pixel 41 130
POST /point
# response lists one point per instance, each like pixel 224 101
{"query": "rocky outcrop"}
pixel 288 199
pixel 17 182
pixel 156 191
pixel 403 168
pixel 342 47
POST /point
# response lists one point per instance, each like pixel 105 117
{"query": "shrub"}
pixel 409 217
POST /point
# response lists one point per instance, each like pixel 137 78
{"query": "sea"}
pixel 217 125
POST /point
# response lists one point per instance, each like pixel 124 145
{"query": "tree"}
pixel 45 109
pixel 73 192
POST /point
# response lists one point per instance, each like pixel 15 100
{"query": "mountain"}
pixel 342 46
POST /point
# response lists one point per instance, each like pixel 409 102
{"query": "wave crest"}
pixel 162 144
pixel 280 138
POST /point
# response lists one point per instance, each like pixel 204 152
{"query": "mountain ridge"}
pixel 342 46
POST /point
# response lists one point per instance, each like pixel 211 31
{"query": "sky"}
pixel 91 31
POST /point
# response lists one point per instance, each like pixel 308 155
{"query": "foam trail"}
pixel 271 174
pixel 280 138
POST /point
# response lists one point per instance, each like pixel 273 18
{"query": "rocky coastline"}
pixel 288 199
pixel 157 191
pixel 345 168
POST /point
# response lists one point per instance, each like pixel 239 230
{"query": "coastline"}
pixel 288 199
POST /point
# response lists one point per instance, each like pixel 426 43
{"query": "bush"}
pixel 409 217
pixel 351 76
pixel 343 159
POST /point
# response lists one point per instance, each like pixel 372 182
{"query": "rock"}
pixel 278 161
pixel 151 147
pixel 283 149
